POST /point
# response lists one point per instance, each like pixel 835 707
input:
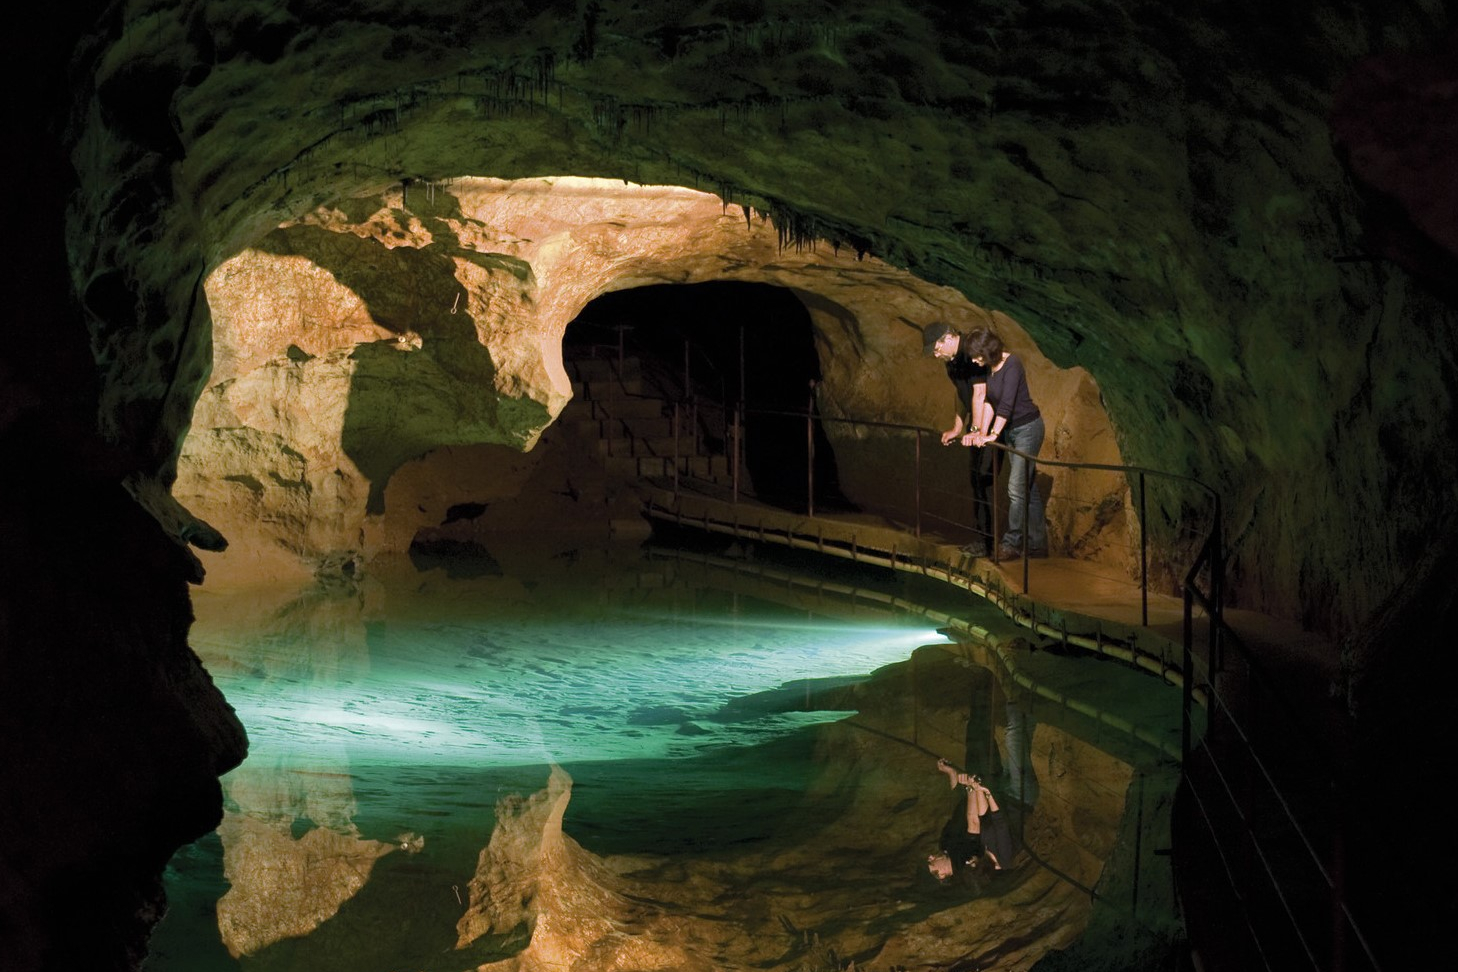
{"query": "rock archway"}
pixel 371 333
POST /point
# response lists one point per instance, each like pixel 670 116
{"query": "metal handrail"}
pixel 1210 555
pixel 1141 472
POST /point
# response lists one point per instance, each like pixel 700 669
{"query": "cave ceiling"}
pixel 1151 193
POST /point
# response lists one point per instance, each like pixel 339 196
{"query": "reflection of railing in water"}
pixel 999 650
pixel 1226 743
pixel 878 547
pixel 980 648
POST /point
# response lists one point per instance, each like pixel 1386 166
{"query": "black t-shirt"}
pixel 964 373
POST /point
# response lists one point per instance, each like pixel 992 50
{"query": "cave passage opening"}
pixel 728 342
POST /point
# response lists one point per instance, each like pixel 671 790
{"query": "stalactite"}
pixel 794 228
pixel 585 46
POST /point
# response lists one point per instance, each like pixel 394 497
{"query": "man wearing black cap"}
pixel 940 341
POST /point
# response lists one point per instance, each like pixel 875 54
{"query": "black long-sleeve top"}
pixel 1007 392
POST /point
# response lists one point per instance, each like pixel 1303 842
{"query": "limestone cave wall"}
pixel 1154 198
pixel 347 345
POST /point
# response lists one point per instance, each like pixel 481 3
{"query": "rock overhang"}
pixel 1172 235
pixel 372 330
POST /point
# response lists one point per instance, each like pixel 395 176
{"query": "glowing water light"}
pixel 611 687
pixel 393 723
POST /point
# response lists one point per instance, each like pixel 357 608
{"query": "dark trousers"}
pixel 980 471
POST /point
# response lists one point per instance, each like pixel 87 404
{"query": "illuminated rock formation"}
pixel 283 886
pixel 345 347
pixel 782 906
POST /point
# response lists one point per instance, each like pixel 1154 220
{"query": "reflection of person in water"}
pixel 984 818
pixel 958 851
pixel 1022 780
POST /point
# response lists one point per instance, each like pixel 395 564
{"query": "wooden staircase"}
pixel 637 438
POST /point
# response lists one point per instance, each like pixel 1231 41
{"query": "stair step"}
pixel 628 408
pixel 662 447
pixel 629 528
pixel 712 468
pixel 605 389
pixel 709 467
pixel 635 467
pixel 598 369
pixel 638 428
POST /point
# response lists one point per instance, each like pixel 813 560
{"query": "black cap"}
pixel 931 334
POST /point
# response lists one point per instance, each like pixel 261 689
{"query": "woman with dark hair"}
pixel 986 828
pixel 1018 424
pixel 959 848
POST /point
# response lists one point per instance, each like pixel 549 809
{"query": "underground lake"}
pixel 636 756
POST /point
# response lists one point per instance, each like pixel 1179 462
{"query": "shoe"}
pixel 1009 553
pixel 976 548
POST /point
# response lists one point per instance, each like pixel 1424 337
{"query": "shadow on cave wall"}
pixel 409 291
pixel 694 332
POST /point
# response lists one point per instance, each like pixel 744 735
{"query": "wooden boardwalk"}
pixel 1279 687
pixel 1070 605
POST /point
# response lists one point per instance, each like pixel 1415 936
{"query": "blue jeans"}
pixel 1022 473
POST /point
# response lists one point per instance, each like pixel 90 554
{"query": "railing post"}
pixel 1187 691
pixel 686 385
pixel 615 387
pixel 1143 554
pixel 994 542
pixel 810 451
pixel 676 410
pixel 741 365
pixel 1217 592
pixel 1138 841
pixel 738 448
pixel 1031 474
pixel 916 484
pixel 605 419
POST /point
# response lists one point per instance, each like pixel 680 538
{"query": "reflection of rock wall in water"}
pixel 831 869
pixel 839 879
pixel 573 906
pixel 285 886
pixel 284 883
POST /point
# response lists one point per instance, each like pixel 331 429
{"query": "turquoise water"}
pixel 386 721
